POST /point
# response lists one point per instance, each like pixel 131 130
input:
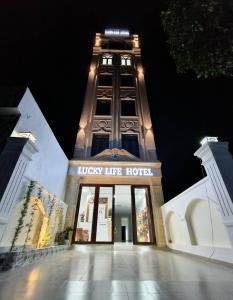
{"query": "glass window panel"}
pixel 107 59
pixel 130 143
pixel 85 215
pixel 100 142
pixel 104 218
pixel 103 107
pixel 143 219
pixel 105 80
pixel 126 60
pixel 128 108
pixel 127 80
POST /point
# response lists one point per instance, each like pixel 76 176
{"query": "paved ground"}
pixel 120 272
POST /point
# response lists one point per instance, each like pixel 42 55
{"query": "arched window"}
pixel 126 60
pixel 107 59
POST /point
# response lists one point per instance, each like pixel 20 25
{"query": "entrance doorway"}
pixel 123 231
pixel 114 213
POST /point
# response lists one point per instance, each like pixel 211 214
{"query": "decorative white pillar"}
pixel 71 199
pixel 157 202
pixel 14 161
pixel 218 164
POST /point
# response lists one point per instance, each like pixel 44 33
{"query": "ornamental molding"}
pixel 104 93
pixel 127 70
pixel 116 154
pixel 128 94
pixel 105 70
pixel 128 125
pixel 102 125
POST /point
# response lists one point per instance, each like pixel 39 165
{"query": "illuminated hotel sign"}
pixel 114 171
pixel 116 32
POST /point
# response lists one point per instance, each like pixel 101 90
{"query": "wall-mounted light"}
pixel 207 139
pixel 136 42
pixel 97 41
pixel 140 71
pixel 92 69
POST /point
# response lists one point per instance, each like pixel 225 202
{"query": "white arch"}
pixel 205 224
pixel 174 228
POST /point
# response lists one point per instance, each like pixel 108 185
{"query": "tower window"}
pixel 103 107
pixel 127 80
pixel 130 143
pixel 128 108
pixel 126 60
pixel 107 59
pixel 100 142
pixel 105 80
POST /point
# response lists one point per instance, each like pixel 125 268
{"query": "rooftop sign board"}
pixel 116 32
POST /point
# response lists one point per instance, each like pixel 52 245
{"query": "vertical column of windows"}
pixel 100 141
pixel 129 142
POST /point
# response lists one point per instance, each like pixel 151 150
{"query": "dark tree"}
pixel 200 35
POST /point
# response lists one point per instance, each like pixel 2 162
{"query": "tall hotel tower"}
pixel 114 188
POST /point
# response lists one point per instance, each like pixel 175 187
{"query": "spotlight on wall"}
pixel 136 43
pixel 140 71
pixel 97 41
pixel 207 139
pixel 92 69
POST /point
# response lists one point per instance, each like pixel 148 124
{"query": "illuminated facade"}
pixel 114 188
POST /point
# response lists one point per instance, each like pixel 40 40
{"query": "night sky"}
pixel 47 46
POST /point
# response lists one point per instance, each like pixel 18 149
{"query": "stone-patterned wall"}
pixel 9 260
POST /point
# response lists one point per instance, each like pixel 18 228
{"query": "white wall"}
pixel 48 166
pixel 193 223
pixel 175 229
pixel 206 226
pixel 43 161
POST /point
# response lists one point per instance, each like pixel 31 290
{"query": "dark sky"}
pixel 47 46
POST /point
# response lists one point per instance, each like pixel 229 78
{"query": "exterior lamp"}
pixel 92 69
pixel 208 139
pixel 136 41
pixel 140 71
pixel 97 41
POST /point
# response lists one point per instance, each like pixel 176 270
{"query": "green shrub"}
pixel 63 235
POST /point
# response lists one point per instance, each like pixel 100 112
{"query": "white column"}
pixel 218 164
pixel 71 199
pixel 157 201
pixel 14 161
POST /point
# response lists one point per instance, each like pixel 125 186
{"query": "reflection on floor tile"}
pixel 145 296
pixel 121 272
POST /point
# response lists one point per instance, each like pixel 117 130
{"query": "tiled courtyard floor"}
pixel 123 272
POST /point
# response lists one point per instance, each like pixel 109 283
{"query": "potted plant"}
pixel 63 237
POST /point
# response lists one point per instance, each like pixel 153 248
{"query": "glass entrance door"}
pixel 94 220
pixel 142 216
pixel 104 226
pixel 95 214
